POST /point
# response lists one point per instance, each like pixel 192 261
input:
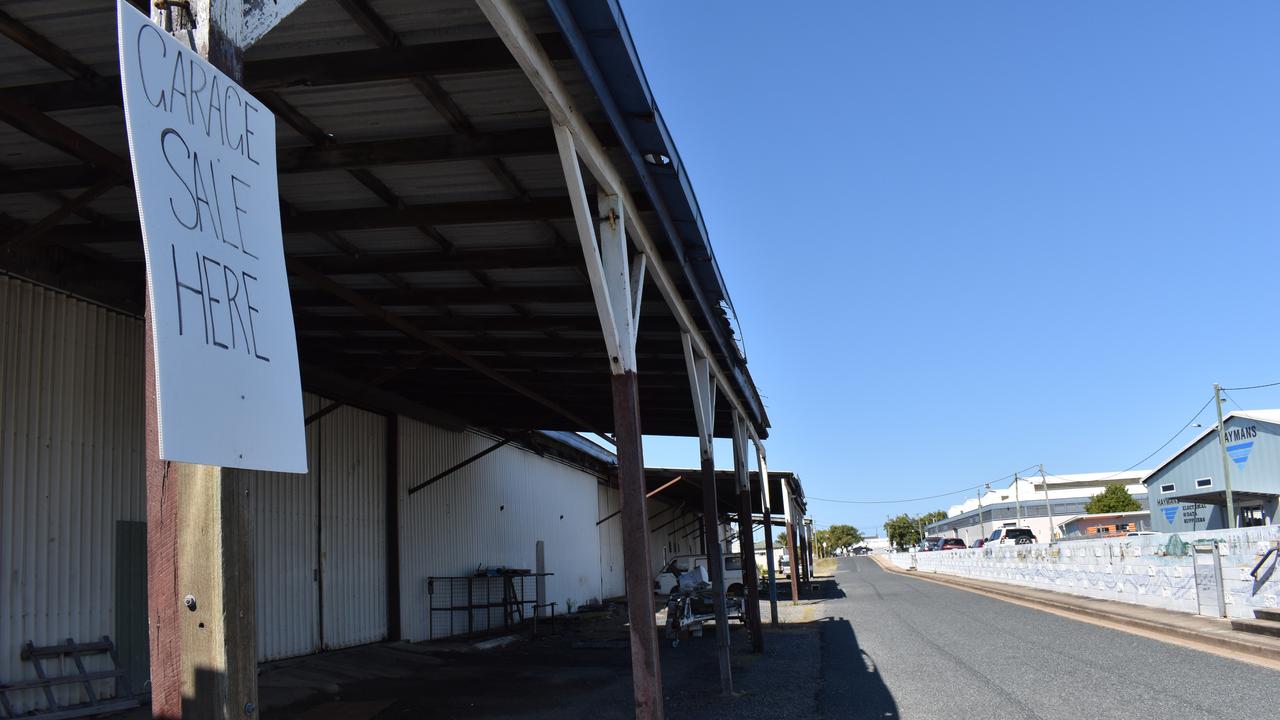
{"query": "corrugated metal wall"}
pixel 71 466
pixel 325 528
pixel 492 513
pixel 612 578
pixel 666 538
pixel 353 477
pixel 286 545
pixel 71 469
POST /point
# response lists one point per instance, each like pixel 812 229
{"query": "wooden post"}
pixel 200 588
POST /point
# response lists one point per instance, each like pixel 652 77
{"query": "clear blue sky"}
pixel 964 238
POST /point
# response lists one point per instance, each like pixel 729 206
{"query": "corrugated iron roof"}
pixel 474 207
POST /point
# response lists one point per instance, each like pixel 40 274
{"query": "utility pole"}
pixel 1226 461
pixel 1017 502
pixel 982 530
pixel 1047 507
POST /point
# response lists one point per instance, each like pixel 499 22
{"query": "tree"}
pixel 822 538
pixel 933 517
pixel 902 531
pixel 844 537
pixel 1115 499
pixel 782 540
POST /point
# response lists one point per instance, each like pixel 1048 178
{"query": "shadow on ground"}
pixel 851 684
pixel 808 669
pixel 820 588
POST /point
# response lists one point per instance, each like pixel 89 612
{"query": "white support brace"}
pixel 510 25
pixel 638 262
pixel 261 16
pixel 615 257
pixel 740 451
pixel 606 254
pixel 704 395
pixel 763 466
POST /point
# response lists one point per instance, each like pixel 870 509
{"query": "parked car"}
pixel 1012 536
pixel 930 544
pixel 668 579
pixel 861 550
pixel 1138 533
pixel 951 544
pixel 979 543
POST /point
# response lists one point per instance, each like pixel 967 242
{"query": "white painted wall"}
pixel 1137 570
pixel 491 513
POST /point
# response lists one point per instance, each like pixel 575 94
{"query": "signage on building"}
pixel 1240 443
pixel 204 168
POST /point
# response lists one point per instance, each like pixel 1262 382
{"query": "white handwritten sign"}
pixel 204 168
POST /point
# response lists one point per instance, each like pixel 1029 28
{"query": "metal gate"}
pixel 1208 570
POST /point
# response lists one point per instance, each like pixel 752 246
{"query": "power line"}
pixel 1233 401
pixel 930 497
pixel 1157 450
pixel 1253 387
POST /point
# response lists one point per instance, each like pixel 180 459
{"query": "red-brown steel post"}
pixel 715 562
pixel 766 499
pixel 746 541
pixel 793 550
pixel 646 671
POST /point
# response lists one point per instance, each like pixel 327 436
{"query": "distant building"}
pixel 1188 491
pixel 876 543
pixel 1085 527
pixel 1023 504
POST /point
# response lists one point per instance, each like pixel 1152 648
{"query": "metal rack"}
pixel 488 599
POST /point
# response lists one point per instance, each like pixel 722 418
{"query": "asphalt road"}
pixel 899 647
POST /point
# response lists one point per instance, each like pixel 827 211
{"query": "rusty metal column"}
pixel 646 672
pixel 617 282
pixel 746 535
pixel 792 547
pixel 715 562
pixel 703 389
pixel 767 500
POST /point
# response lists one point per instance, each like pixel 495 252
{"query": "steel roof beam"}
pixel 375 310
pixel 373 218
pixel 457 57
pixel 455 296
pixel 41 47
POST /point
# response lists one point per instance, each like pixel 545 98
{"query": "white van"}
pixel 667 578
pixel 1011 536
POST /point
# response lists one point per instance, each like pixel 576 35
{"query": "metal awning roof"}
pixel 426 220
pixel 689 489
pixel 1219 497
